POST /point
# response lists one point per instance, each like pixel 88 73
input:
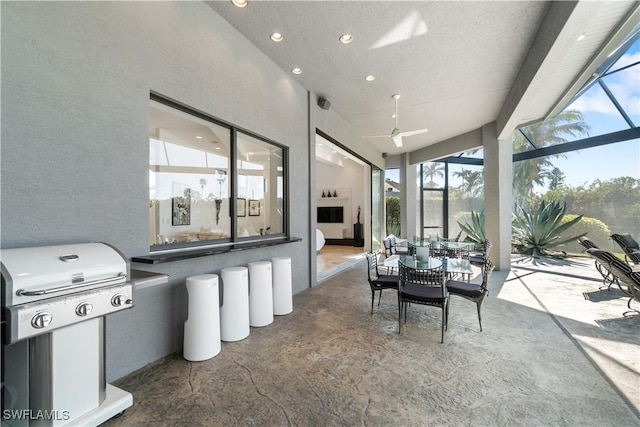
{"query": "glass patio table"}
pixel 452 266
pixel 431 263
pixel 454 245
pixel 461 266
pixel 453 249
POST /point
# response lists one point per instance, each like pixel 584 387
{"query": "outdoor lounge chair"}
pixel 620 271
pixel 630 247
pixel 587 243
pixel 607 279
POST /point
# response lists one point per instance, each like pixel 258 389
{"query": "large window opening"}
pixel 432 206
pixel 392 198
pixel 198 194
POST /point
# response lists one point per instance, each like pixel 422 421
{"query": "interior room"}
pixel 343 200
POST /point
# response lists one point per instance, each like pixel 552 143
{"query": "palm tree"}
pixel 553 131
pixel 203 183
pixel 556 178
pixel 527 174
pixel 431 170
pixel 471 181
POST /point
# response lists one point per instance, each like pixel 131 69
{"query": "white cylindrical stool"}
pixel 282 289
pixel 234 312
pixel 260 294
pixel 202 327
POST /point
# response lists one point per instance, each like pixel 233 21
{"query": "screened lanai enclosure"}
pixel 586 156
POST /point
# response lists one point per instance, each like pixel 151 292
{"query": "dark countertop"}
pixel 195 253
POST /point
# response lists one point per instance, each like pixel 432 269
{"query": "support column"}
pixel 408 200
pixel 498 189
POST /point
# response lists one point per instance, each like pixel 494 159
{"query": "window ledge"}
pixel 196 253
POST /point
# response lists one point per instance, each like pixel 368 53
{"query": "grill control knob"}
pixel 117 300
pixel 83 309
pixel 41 320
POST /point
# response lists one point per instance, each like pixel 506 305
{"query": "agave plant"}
pixel 538 232
pixel 475 229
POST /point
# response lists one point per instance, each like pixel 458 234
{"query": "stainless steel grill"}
pixel 54 300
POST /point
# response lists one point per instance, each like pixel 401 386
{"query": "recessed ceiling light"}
pixel 393 116
pixel 346 38
pixel 198 137
pixel 276 37
pixel 296 70
pixel 370 78
pixel 581 37
pixel 334 151
pixel 240 3
pixel 217 148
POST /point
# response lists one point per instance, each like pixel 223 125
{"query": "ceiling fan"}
pixel 395 134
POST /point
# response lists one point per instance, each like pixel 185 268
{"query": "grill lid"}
pixel 31 274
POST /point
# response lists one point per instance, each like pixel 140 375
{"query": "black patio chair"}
pixel 388 246
pixel 481 253
pixel 378 282
pixel 602 261
pixel 475 292
pixel 424 287
pixel 620 271
pixel 391 247
pixel 630 247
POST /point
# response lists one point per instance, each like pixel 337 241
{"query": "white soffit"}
pixel 457 65
pixel 557 77
pixel 452 62
pixel 599 29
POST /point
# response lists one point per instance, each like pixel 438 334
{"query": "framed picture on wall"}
pixel 254 207
pixel 181 211
pixel 241 206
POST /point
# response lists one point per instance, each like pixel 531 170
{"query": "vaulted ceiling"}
pixel 456 65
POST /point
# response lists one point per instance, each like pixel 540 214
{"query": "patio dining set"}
pixel 428 272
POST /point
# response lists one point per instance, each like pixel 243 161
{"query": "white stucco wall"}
pixel 76 79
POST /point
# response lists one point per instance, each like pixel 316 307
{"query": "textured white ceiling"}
pixel 453 63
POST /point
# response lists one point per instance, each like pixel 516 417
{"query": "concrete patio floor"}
pixel 547 356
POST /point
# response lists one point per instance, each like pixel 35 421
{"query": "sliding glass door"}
pixel 377 208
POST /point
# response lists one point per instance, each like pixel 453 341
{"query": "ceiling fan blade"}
pixel 414 132
pixel 377 136
pixel 397 140
pixel 395 116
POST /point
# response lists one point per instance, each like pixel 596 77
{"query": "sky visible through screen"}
pixel 607 161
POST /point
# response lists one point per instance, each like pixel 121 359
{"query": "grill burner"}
pixel 54 301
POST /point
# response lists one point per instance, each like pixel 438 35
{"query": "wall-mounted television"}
pixel 329 214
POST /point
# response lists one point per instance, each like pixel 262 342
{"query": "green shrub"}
pixel 595 230
pixel 462 217
pixel 393 215
pixel 393 229
pixel 538 231
pixel 474 227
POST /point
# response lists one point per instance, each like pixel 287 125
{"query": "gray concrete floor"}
pixel 554 351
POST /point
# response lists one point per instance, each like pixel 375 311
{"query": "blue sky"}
pixel 613 160
pixel 608 161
